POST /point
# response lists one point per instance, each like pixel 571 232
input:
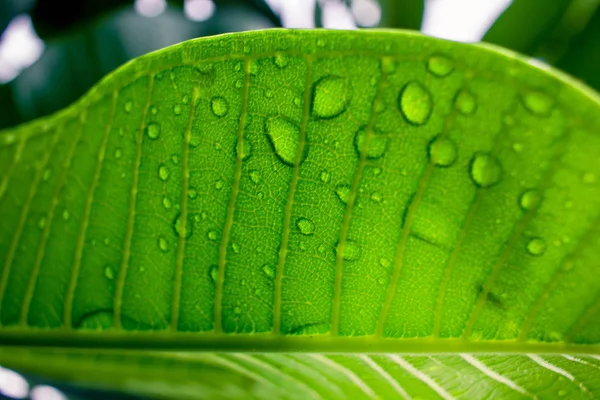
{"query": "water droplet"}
pixel 381 281
pixel 128 106
pixel 154 110
pixel 163 172
pixel 376 147
pixel 236 247
pixel 384 262
pixel 118 153
pixel 66 215
pixel 219 184
pixel 351 251
pixel 284 136
pixel 185 99
pixel 153 130
pixel 177 109
pixel 269 94
pixel 343 192
pixel 376 196
pixel 518 147
pixel 268 270
pixel 589 177
pixel 530 199
pixel 219 106
pixel 325 176
pixel 180 230
pixel 297 101
pixel 239 84
pixel 440 66
pixel 99 320
pixel 562 393
pixel 415 103
pixel 163 244
pixel 442 152
pixel 538 103
pixel 237 310
pixel 106 241
pixel 331 97
pixel 108 273
pixel 42 223
pixel 212 235
pixel 485 170
pixel 192 193
pixel 246 149
pixel 536 246
pixel 237 67
pixel 377 171
pixel 47 174
pixel 465 102
pixel 166 202
pixel 213 272
pixel 306 226
pixel 255 176
pixel 281 61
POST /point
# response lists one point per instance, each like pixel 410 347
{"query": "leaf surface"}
pixel 223 216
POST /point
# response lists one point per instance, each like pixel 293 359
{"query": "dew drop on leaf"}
pixel 153 110
pixel 153 130
pixel 128 106
pixel 536 246
pixel 384 262
pixel 255 176
pixel 306 226
pixel 212 235
pixel 177 109
pixel 163 172
pixel 530 199
pixel 42 223
pixel 185 99
pixel 47 174
pixel 442 152
pixel 376 147
pixel 284 136
pixel 343 192
pixel 97 321
pixel 351 251
pixel 219 184
pixel 415 103
pixel 219 106
pixel 236 247
pixel 325 176
pixel 66 215
pixel 237 310
pixel 246 150
pixel 239 84
pixel 281 61
pixel 485 170
pixel 330 97
pixel 269 271
pixel 376 197
pixel 213 272
pixel 166 202
pixel 465 102
pixel 118 153
pixel 108 273
pixel 180 230
pixel 192 193
pixel 538 103
pixel 562 393
pixel 440 66
pixel 163 244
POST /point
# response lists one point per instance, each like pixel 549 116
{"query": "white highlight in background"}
pixel 44 392
pixel 199 10
pixel 336 15
pixel 461 20
pixel 366 12
pixel 13 384
pixel 150 8
pixel 19 47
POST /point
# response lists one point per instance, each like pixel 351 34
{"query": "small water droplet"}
pixel 153 130
pixel 538 103
pixel 185 99
pixel 440 66
pixel 255 176
pixel 325 176
pixel 381 281
pixel 536 246
pixel 166 202
pixel 213 272
pixel 442 152
pixel 246 149
pixel 212 235
pixel 163 244
pixel 351 251
pixel 485 170
pixel 219 184
pixel 384 262
pixel 47 174
pixel 177 109
pixel 236 247
pixel 42 223
pixel 518 147
pixel 97 321
pixel 108 273
pixel 163 172
pixel 192 193
pixel 297 101
pixel 106 241
pixel 239 84
pixel 376 197
pixel 284 136
pixel 306 226
pixel 269 94
pixel 330 97
pixel 465 102
pixel 562 393
pixel 128 106
pixel 281 61
pixel 268 270
pixel 415 103
pixel 154 110
pixel 237 310
pixel 219 106
pixel 180 230
pixel 343 192
pixel 530 199
pixel 321 249
pixel 118 153
pixel 66 215
pixel 376 147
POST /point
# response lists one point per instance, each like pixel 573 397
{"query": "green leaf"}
pixel 296 214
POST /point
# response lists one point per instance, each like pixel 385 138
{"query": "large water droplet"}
pixel 219 106
pixel 108 273
pixel 376 147
pixel 415 103
pixel 128 106
pixel 442 152
pixel 284 135
pixel 268 270
pixel 538 103
pixel 163 244
pixel 440 66
pixel 99 320
pixel 485 170
pixel 192 193
pixel 465 102
pixel 306 226
pixel 343 192
pixel 536 246
pixel 166 202
pixel 330 97
pixel 153 130
pixel 163 172
pixel 351 251
pixel 246 149
pixel 177 109
pixel 530 199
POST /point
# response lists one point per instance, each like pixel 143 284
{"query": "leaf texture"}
pixel 429 211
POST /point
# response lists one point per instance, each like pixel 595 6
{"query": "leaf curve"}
pixel 315 191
